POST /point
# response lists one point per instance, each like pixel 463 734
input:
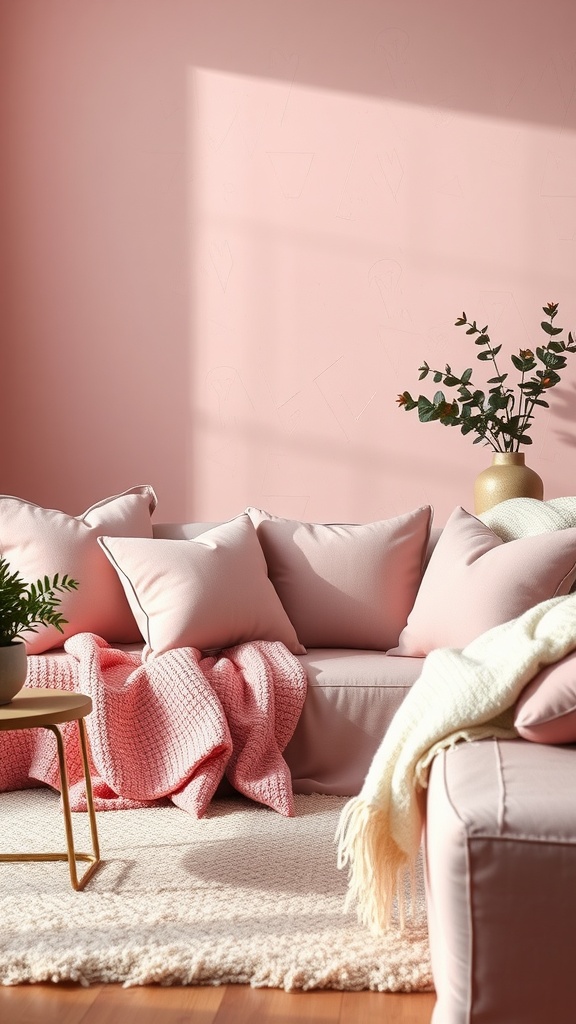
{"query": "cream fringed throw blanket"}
pixel 460 695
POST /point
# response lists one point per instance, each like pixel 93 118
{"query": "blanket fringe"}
pixel 380 875
pixel 460 695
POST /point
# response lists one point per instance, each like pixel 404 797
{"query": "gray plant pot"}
pixel 13 670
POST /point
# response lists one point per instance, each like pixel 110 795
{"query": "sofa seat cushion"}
pixel 501 863
pixel 351 700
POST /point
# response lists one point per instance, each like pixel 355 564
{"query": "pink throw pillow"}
pixel 344 585
pixel 546 708
pixel 474 580
pixel 210 592
pixel 41 542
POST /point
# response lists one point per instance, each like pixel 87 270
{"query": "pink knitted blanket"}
pixel 172 727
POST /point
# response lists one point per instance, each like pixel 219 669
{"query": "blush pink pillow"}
pixel 41 542
pixel 474 580
pixel 546 708
pixel 346 586
pixel 209 593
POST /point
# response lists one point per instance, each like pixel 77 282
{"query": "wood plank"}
pixel 245 1005
pixel 391 1007
pixel 147 1004
pixel 46 1004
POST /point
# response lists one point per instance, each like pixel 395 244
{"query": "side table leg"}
pixel 89 794
pixel 94 858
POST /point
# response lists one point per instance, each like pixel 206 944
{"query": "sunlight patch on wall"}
pixel 333 240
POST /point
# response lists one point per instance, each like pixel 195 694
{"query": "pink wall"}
pixel 231 230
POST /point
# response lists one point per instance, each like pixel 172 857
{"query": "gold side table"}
pixel 36 707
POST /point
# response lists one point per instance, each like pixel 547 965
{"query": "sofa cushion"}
pixel 209 593
pixel 546 709
pixel 352 698
pixel 527 517
pixel 40 542
pixel 474 580
pixel 343 585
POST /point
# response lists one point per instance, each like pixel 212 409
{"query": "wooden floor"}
pixel 229 1004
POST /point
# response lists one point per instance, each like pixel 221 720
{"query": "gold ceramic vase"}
pixel 507 477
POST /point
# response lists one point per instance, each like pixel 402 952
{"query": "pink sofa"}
pixel 500 833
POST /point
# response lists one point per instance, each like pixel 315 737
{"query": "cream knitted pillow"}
pixel 527 517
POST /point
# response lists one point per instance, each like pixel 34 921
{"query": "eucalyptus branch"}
pixel 492 416
pixel 489 354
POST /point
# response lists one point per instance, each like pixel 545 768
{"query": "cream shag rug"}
pixel 242 895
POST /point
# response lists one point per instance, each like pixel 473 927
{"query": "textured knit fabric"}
pixel 527 517
pixel 171 728
pixel 460 695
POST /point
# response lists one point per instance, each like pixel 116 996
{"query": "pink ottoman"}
pixel 500 847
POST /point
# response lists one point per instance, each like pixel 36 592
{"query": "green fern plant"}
pixel 26 606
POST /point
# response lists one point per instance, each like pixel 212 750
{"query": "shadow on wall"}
pixel 563 403
pixel 462 56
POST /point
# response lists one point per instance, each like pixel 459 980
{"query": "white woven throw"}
pixel 460 695
pixel 241 895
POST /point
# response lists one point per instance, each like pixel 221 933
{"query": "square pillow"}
pixel 209 592
pixel 546 709
pixel 344 585
pixel 40 542
pixel 474 580
pixel 525 517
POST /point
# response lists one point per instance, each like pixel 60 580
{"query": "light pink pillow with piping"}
pixel 210 592
pixel 474 580
pixel 344 585
pixel 41 542
pixel 546 709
